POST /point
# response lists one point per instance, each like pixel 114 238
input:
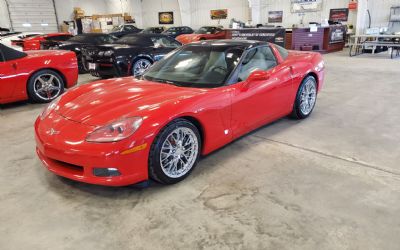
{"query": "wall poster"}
pixel 166 17
pixel 275 16
pixel 219 14
pixel 301 6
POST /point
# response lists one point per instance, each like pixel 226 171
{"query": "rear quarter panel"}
pixel 64 62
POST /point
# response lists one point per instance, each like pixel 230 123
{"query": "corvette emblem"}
pixel 52 131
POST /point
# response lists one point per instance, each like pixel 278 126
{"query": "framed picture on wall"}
pixel 339 15
pixel 301 6
pixel 166 17
pixel 219 14
pixel 275 16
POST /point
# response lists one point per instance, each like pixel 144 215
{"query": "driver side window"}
pixel 261 58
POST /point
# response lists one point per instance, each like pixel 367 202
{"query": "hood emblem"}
pixel 52 131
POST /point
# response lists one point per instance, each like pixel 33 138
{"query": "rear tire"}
pixel 45 86
pixel 175 152
pixel 305 99
pixel 140 65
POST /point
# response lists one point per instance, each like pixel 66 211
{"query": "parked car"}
pixel 124 29
pixel 40 76
pixel 176 31
pixel 35 42
pixel 11 39
pixel 76 44
pixel 130 55
pixel 197 99
pixel 204 33
pixel 153 30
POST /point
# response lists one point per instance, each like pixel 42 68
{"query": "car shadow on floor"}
pixel 115 192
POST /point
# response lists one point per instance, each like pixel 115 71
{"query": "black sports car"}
pixel 153 30
pixel 176 31
pixel 130 55
pixel 124 29
pixel 76 44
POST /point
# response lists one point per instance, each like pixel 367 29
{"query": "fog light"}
pixel 106 172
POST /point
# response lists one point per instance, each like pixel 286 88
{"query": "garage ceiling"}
pixel 28 15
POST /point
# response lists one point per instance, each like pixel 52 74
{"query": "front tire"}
pixel 305 99
pixel 175 152
pixel 45 86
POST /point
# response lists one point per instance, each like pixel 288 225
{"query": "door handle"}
pixel 291 70
pixel 14 65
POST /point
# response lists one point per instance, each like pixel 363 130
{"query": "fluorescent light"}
pixel 44 24
pixel 27 25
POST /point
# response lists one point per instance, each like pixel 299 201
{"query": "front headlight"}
pixel 320 66
pixel 108 53
pixel 50 107
pixel 115 131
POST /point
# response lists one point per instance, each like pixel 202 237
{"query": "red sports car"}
pixel 38 75
pixel 197 99
pixel 204 33
pixel 34 43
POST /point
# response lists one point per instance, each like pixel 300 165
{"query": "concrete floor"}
pixel 329 182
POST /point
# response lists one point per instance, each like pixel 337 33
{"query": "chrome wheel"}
pixel 140 67
pixel 47 87
pixel 179 152
pixel 308 96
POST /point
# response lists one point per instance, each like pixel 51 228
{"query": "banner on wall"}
pixel 301 6
pixel 275 16
pixel 219 14
pixel 166 17
pixel 277 36
pixel 339 15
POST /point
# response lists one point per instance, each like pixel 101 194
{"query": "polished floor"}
pixel 329 182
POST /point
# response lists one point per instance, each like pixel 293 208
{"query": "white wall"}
pixel 380 11
pixel 4 18
pixel 150 9
pixel 238 9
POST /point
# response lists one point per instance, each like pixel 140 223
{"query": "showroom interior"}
pixel 199 124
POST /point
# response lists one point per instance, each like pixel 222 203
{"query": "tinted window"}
pixel 129 27
pixel 58 38
pixel 106 39
pixel 196 66
pixel 135 40
pixel 283 52
pixel 83 38
pixel 164 42
pixel 206 30
pixel 261 58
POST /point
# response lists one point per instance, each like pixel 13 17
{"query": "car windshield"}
pixel 82 38
pixel 196 66
pixel 117 28
pixel 135 40
pixel 205 30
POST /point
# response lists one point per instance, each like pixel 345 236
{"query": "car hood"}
pixel 103 102
pixel 187 38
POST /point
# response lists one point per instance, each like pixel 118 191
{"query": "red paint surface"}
pixel 224 113
pixel 14 74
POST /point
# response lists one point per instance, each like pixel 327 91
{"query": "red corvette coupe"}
pixel 197 99
pixel 34 43
pixel 204 33
pixel 40 76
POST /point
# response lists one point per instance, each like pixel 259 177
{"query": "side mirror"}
pixel 258 75
pixel 254 77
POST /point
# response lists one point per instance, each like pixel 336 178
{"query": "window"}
pixel 261 58
pixel 164 42
pixel 58 38
pixel 196 66
pixel 129 27
pixel 283 52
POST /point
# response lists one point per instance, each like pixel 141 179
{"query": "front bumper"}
pixel 67 154
pixel 107 68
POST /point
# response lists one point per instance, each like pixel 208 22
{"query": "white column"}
pixel 185 11
pixel 256 15
pixel 362 17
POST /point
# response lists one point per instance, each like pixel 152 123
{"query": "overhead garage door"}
pixel 28 15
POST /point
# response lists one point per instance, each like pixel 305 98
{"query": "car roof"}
pixel 145 35
pixel 231 42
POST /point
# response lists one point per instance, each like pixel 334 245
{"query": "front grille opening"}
pixel 70 167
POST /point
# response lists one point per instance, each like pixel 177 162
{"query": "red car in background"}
pixel 40 76
pixel 34 43
pixel 197 99
pixel 204 33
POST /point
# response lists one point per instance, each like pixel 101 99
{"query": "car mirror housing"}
pixel 254 77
